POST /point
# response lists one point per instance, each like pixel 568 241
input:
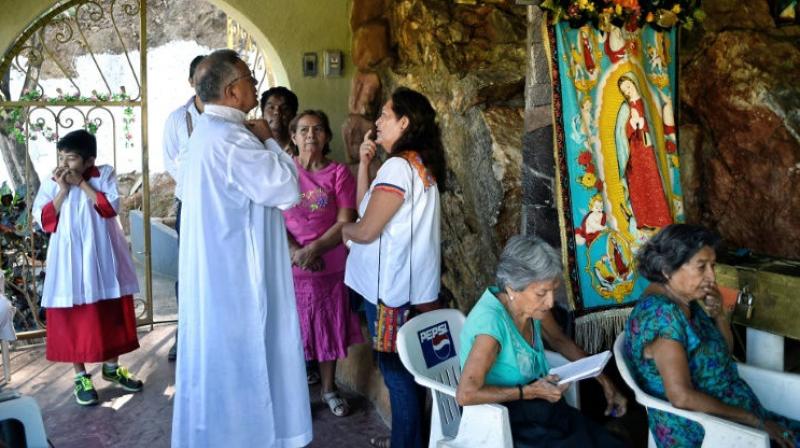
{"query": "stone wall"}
pixel 740 127
pixel 469 60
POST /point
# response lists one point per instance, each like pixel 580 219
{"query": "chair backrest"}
pixel 622 366
pixel 27 412
pixel 718 431
pixel 641 397
pixel 428 346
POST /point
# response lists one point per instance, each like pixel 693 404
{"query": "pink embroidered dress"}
pixel 326 321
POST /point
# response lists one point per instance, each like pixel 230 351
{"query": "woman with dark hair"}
pixel 314 228
pixel 394 261
pixel 678 342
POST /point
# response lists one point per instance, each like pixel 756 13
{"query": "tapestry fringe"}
pixel 597 331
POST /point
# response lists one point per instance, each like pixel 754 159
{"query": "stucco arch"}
pixel 284 29
pixel 262 41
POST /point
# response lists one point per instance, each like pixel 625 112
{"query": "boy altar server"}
pixel 90 276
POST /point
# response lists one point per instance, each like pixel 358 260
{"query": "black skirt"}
pixel 539 423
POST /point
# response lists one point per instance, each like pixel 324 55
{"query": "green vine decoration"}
pixel 15 119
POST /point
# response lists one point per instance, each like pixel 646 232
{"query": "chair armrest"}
pixel 778 391
pixel 483 425
pixel 719 432
pixel 435 385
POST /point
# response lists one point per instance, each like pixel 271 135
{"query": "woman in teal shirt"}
pixel 503 359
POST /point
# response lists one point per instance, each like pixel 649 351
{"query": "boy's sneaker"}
pixel 84 391
pixel 122 377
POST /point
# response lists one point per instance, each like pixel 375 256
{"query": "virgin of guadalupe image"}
pixel 636 156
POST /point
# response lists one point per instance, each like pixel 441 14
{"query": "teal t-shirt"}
pixel 517 362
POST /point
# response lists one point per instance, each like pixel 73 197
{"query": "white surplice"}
pixel 240 378
pixel 87 257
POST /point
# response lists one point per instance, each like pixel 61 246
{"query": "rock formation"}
pixel 740 127
pixel 469 60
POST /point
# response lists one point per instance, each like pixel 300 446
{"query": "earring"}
pixel 510 298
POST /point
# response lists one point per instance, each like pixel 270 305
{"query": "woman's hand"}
pixel 367 150
pixel 315 266
pixel 617 404
pixel 307 258
pixel 778 434
pixel 546 388
pixel 713 301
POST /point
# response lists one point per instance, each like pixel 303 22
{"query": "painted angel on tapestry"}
pixel 584 128
pixel 619 44
pixel 658 60
pixel 593 223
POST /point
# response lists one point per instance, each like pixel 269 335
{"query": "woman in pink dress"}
pixel 314 227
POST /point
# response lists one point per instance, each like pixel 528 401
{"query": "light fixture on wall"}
pixel 310 64
pixel 332 63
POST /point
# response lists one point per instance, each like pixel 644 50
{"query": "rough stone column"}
pixel 539 213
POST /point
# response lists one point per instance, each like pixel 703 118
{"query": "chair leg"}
pixel 6 362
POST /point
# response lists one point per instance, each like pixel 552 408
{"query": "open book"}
pixel 588 367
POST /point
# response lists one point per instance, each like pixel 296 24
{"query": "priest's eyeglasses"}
pixel 250 75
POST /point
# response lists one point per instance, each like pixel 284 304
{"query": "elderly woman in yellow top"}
pixel 503 359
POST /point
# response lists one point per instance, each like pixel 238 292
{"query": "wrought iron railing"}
pixel 34 109
pixel 55 80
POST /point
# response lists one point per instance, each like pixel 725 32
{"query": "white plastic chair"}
pixel 778 391
pixel 428 346
pixel 27 412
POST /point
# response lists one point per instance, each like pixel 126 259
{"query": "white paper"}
pixel 588 367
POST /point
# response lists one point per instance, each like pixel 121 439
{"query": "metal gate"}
pixel 54 81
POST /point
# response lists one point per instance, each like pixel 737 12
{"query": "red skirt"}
pixel 92 333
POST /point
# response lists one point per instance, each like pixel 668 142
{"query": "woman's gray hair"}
pixel 526 259
pixel 214 73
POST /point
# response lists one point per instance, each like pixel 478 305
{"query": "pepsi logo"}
pixel 441 346
pixel 436 343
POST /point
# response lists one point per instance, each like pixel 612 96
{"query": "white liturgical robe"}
pixel 240 377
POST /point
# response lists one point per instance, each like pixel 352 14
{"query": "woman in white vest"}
pixel 395 261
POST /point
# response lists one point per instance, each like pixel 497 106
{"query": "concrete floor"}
pixel 144 420
pixel 126 420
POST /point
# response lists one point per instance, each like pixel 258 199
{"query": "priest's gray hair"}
pixel 214 73
pixel 526 259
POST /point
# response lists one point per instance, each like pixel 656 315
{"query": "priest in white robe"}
pixel 240 378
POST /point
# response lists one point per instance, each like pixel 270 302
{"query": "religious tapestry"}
pixel 619 175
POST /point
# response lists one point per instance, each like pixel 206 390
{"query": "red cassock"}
pixel 648 201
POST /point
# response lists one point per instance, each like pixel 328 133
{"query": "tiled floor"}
pixel 125 420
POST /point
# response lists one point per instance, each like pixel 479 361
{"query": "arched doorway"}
pixel 82 64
